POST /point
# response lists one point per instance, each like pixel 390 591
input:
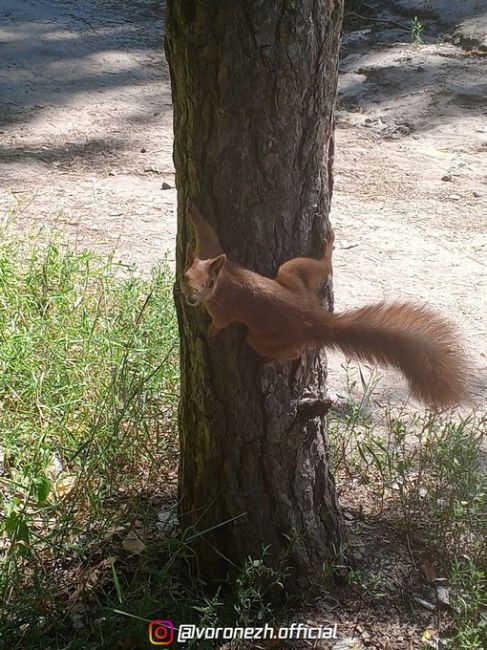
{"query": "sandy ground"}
pixel 86 123
pixel 86 145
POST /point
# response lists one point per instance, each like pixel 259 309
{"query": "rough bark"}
pixel 254 85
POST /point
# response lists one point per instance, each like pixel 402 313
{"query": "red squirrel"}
pixel 283 317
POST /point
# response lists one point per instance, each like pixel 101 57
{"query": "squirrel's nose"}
pixel 192 300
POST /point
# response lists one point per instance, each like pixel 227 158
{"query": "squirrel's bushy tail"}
pixel 421 344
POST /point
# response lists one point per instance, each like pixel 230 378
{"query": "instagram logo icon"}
pixel 161 632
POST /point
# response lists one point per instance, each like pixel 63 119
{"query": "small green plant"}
pixel 367 581
pixel 256 590
pixel 416 31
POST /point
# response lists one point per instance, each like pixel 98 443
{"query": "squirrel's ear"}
pixel 217 265
pixel 189 255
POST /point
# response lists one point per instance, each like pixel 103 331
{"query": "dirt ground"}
pixel 86 124
pixel 86 145
pixel 410 202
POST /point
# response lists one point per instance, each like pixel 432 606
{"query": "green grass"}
pixel 425 474
pixel 89 382
pixel 88 389
pixel 470 605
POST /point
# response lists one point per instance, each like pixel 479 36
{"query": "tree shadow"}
pixel 427 83
pixel 53 52
pixel 94 152
pixel 429 87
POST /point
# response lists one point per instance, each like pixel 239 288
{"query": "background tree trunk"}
pixel 254 86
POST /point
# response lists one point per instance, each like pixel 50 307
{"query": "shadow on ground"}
pixel 53 52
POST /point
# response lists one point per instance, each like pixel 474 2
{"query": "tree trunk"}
pixel 254 86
